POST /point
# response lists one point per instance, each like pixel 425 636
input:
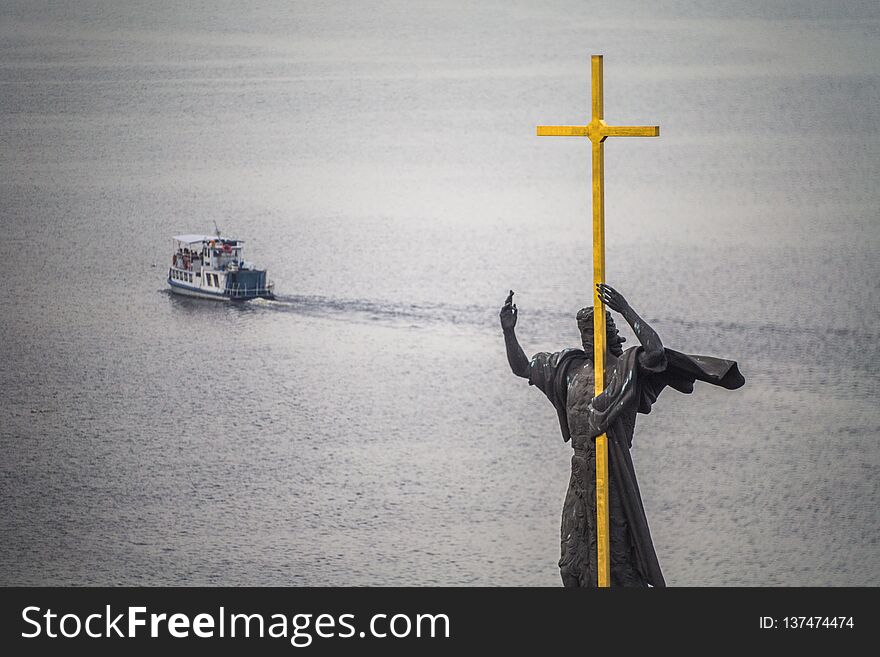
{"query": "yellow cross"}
pixel 597 130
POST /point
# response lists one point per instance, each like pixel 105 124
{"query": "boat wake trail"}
pixel 408 314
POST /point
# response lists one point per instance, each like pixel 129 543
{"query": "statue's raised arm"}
pixel 653 357
pixel 519 363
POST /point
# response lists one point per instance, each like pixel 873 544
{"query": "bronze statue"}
pixel 634 378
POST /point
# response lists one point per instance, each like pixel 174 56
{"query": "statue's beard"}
pixel 615 344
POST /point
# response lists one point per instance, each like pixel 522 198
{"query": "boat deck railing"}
pixel 238 291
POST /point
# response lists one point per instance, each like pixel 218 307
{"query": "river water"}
pixel 381 161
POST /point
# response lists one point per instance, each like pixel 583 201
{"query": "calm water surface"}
pixel 381 162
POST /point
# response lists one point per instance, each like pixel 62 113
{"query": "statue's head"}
pixel 612 337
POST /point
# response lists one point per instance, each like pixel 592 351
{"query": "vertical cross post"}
pixel 597 130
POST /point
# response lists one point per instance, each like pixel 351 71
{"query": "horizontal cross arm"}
pixel 562 131
pixel 632 131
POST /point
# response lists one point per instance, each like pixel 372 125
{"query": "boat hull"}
pixel 197 293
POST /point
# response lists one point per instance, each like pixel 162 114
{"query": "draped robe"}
pixel 631 388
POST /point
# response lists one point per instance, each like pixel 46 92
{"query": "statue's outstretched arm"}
pixel 653 356
pixel 519 363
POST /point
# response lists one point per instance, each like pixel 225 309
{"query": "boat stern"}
pixel 249 284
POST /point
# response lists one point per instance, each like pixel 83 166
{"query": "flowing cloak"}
pixel 631 387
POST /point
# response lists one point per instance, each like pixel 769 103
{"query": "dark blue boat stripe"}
pixel 220 295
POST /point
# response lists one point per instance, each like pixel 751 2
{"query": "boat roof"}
pixel 198 239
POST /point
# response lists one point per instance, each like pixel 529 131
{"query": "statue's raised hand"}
pixel 508 313
pixel 612 298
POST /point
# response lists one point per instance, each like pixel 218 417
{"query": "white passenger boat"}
pixel 212 267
